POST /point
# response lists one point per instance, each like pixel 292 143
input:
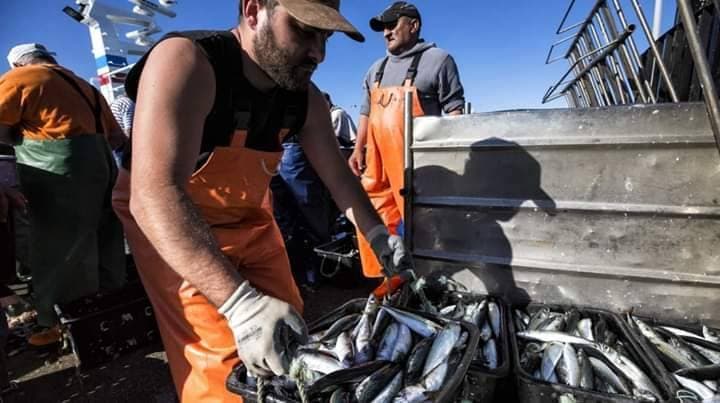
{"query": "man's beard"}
pixel 276 62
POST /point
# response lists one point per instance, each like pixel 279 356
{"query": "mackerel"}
pixel 548 337
pixel 495 317
pixel 392 388
pixel 553 354
pixel 416 361
pixel 586 371
pixel 585 329
pixel 609 376
pixel 568 369
pixel 370 387
pixel 490 354
pixel 422 326
pixel 441 347
pixel 403 344
pixel 702 391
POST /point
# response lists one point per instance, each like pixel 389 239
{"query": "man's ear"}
pixel 415 26
pixel 250 10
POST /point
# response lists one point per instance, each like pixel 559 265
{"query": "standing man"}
pixel 343 124
pixel 212 109
pixel 413 65
pixel 66 171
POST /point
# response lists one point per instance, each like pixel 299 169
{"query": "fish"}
pixel 665 348
pixel 490 354
pixel 551 357
pixel 585 329
pixel 495 317
pixel 480 313
pixel 340 396
pixel 432 381
pixel 486 332
pixel 709 372
pixel 643 386
pixel 568 369
pixel 389 392
pixel 370 387
pixel 441 347
pixel 318 362
pixel 347 376
pixel 403 344
pixel 547 337
pixel 341 325
pixel 555 323
pixel 572 317
pixel 524 318
pixel 385 349
pixel 713 356
pixel 344 349
pixel 416 361
pixel 412 394
pixel 448 311
pixel 586 371
pixel 364 350
pixel 538 318
pixel 702 391
pixel 691 355
pixel 609 377
pixel 418 324
pixel 520 325
pixel 710 334
pixel 531 357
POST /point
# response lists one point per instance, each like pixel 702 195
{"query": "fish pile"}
pixel 580 350
pixel 486 314
pixel 693 358
pixel 382 354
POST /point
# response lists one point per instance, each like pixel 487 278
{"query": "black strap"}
pixel 96 108
pixel 412 71
pixel 381 70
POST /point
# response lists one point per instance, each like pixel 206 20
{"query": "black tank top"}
pixel 238 105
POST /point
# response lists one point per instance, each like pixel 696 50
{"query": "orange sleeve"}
pixel 11 99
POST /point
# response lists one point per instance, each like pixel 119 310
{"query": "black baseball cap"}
pixel 392 14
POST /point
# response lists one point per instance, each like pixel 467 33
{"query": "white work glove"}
pixel 390 250
pixel 267 330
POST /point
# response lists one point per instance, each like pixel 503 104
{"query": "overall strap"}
pixel 96 108
pixel 412 70
pixel 381 71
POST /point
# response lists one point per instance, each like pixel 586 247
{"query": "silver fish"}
pixel 553 354
pixel 547 337
pixel 486 331
pixel 568 369
pixel 712 385
pixel 363 348
pixel 490 355
pixel 520 325
pixel 318 362
pixel 585 329
pixel 387 343
pixel 434 378
pixel 555 324
pixel 448 311
pixel 340 396
pixel 643 385
pixel 416 361
pixel 703 392
pixel 441 347
pixel 665 348
pixel 710 334
pixel 412 394
pixel 479 313
pixel 370 387
pixel 392 388
pixel 538 318
pixel 524 318
pixel 418 324
pixel 609 376
pixel 711 355
pixel 495 318
pixel 403 344
pixel 345 323
pixel 344 349
pixel 586 371
pixel 691 355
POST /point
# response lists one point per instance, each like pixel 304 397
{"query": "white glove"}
pixel 390 250
pixel 267 330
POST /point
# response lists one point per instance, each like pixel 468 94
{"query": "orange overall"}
pixel 383 177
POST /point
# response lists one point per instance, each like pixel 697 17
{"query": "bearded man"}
pixel 212 109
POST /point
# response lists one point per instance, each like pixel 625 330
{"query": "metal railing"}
pixel 607 69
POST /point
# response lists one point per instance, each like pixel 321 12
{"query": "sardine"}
pixel 363 348
pixel 547 337
pixel 495 318
pixel 586 371
pixel 422 326
pixel 555 324
pixel 713 356
pixel 585 329
pixel 609 376
pixel 412 394
pixel 691 355
pixel 344 349
pixel 702 391
pixel 520 325
pixel 403 344
pixel 568 369
pixel 665 348
pixel 441 347
pixel 433 380
pixel 416 361
pixel 318 362
pixel 490 354
pixel 370 387
pixel 385 350
pixel 643 385
pixel 486 332
pixel 388 393
pixel 553 354
pixel 538 318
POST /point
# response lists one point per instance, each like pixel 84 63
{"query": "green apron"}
pixel 76 242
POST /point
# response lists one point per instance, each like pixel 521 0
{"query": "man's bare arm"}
pixel 320 146
pixel 176 93
pixel 357 159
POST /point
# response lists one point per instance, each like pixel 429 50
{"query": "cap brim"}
pixel 377 24
pixel 321 16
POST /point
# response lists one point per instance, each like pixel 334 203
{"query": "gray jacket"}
pixel 437 80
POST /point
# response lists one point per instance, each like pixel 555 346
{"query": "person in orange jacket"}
pixel 212 109
pixel 411 65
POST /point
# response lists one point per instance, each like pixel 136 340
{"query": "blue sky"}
pixel 500 46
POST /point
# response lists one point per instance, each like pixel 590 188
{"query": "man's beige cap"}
pixel 321 14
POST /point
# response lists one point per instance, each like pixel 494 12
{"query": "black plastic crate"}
pixel 531 390
pixel 237 381
pixel 103 327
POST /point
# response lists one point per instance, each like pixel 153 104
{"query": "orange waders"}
pixel 231 191
pixel 384 163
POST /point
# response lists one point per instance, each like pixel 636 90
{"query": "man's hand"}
pixel 357 161
pixel 390 250
pixel 10 197
pixel 267 330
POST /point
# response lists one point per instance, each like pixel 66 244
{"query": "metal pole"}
pixel 702 67
pixel 623 77
pixel 468 108
pixel 657 18
pixel 409 167
pixel 656 52
pixel 614 83
pixel 625 57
